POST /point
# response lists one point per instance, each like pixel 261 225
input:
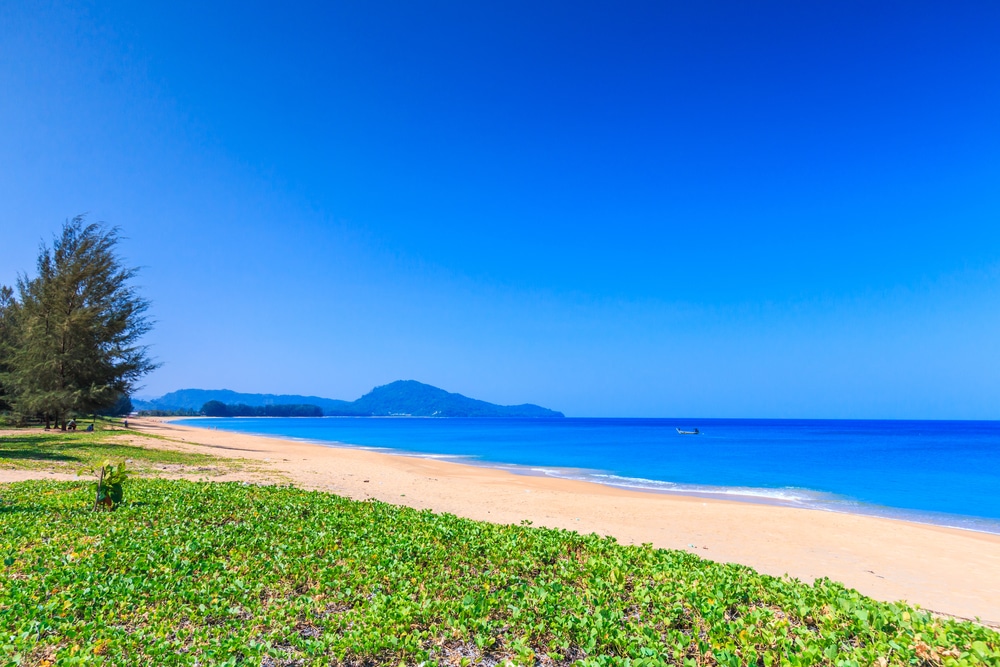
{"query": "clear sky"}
pixel 717 209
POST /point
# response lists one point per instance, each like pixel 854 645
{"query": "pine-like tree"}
pixel 79 323
pixel 8 314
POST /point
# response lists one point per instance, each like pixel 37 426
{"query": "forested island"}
pixel 220 409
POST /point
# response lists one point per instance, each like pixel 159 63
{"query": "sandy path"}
pixel 951 571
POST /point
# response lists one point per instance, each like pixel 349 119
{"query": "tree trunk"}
pixel 100 483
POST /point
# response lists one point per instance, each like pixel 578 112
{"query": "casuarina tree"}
pixel 8 313
pixel 78 327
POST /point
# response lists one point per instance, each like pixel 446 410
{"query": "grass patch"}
pixel 202 573
pixel 68 452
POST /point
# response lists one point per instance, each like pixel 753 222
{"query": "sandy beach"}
pixel 946 570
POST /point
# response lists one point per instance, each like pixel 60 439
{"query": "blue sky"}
pixel 718 209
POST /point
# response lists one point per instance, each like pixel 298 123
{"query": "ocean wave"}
pixel 786 495
pixel 791 497
pixel 436 457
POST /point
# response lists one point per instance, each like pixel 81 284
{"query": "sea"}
pixel 939 472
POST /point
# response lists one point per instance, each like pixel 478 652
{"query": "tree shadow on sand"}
pixel 29 448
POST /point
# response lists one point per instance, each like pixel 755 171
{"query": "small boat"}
pixel 694 432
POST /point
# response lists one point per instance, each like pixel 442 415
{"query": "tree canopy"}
pixel 69 342
pixel 220 409
pixel 8 312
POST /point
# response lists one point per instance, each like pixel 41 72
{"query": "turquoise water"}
pixel 939 472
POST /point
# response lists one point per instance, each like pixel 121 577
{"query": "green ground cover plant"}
pixel 198 573
pixel 69 452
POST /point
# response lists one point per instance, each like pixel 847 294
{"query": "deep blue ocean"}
pixel 933 471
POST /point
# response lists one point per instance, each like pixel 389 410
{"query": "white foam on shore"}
pixel 794 497
pixel 788 497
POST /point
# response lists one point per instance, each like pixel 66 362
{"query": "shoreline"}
pixel 800 498
pixel 952 571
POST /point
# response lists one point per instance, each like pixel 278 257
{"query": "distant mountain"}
pixel 193 399
pixel 403 397
pixel 409 397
